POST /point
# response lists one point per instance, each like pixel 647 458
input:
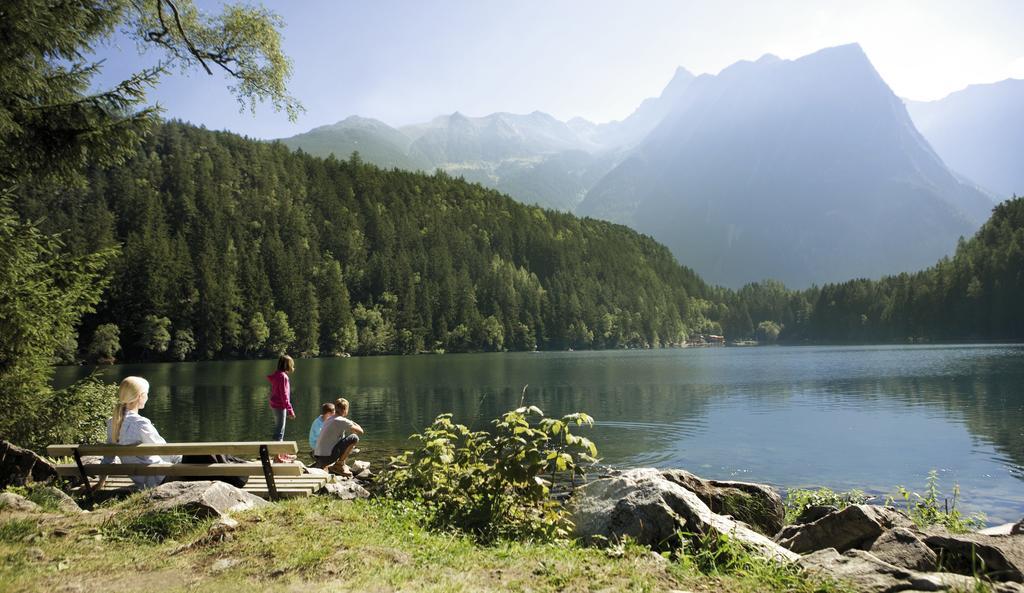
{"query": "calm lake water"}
pixel 844 417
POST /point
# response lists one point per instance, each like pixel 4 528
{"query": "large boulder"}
pixel 20 466
pixel 201 499
pixel 345 490
pixel 868 574
pixel 645 506
pixel 902 547
pixel 853 527
pixel 12 502
pixel 756 505
pixel 1000 558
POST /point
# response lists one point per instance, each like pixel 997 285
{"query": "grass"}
pixel 316 544
pixel 800 499
pixel 727 560
pixel 44 496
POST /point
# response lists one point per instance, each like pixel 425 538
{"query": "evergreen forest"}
pixel 230 247
pixel 977 294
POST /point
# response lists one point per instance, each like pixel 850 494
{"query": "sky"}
pixel 408 61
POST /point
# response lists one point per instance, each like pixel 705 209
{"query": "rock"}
pixel 221 531
pixel 813 513
pixel 998 557
pixel 65 503
pixel 316 471
pixel 366 475
pixel 901 547
pixel 224 564
pixel 360 465
pixel 10 501
pixel 645 506
pixel 204 499
pixel 1018 529
pixel 1004 529
pixel 852 527
pixel 345 490
pixel 20 466
pixel 868 574
pixel 756 505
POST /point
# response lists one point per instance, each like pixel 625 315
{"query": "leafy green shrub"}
pixel 800 499
pixel 928 510
pixel 493 484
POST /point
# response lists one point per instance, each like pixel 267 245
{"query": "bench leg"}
pixel 85 479
pixel 268 473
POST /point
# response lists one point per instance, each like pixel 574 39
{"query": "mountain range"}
pixel 979 133
pixel 806 171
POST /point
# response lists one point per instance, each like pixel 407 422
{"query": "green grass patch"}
pixel 932 508
pixel 44 496
pixel 799 500
pixel 318 544
pixel 151 527
pixel 727 560
pixel 17 530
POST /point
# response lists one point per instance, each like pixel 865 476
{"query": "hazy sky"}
pixel 406 62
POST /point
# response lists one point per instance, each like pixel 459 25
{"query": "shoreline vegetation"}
pixel 101 364
pixel 474 511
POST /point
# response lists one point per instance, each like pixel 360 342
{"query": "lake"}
pixel 845 417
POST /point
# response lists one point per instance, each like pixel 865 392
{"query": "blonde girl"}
pixel 127 427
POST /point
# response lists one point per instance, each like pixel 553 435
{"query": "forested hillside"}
pixel 232 247
pixel 976 294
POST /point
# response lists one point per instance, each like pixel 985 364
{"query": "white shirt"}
pixel 138 429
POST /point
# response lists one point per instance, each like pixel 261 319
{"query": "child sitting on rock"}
pixel 326 413
pixel 338 437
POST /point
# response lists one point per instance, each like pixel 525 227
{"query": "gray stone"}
pixel 756 505
pixel 65 503
pixel 643 505
pixel 901 547
pixel 224 564
pixel 998 557
pixel 20 466
pixel 1004 529
pixel 360 465
pixel 10 501
pixel 345 490
pixel 868 574
pixel 852 527
pixel 203 499
pixel 813 513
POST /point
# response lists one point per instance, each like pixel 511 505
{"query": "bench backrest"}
pixel 238 448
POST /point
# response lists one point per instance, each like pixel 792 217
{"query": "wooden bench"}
pixel 270 480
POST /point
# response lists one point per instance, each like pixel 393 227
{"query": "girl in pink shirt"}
pixel 280 396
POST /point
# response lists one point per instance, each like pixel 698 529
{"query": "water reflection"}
pixel 869 417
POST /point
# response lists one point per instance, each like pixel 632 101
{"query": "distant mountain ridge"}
pixel 979 132
pixel 806 170
pixel 374 140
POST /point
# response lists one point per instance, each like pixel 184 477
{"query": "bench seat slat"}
pixel 179 469
pixel 254 482
pixel 238 448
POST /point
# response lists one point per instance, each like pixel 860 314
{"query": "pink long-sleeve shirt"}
pixel 280 391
